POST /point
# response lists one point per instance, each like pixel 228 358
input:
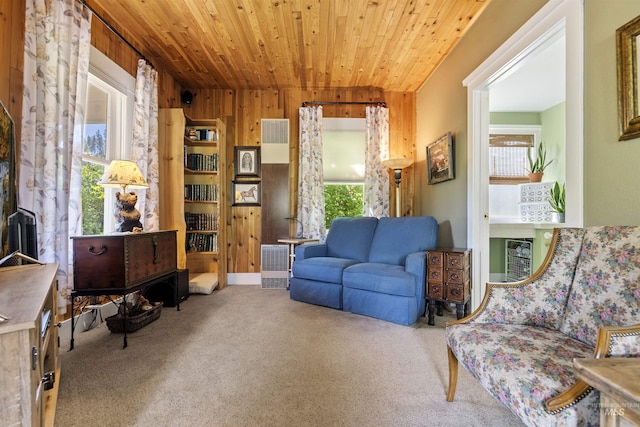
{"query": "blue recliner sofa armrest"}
pixel 310 250
pixel 416 264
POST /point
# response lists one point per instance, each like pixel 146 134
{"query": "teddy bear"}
pixel 127 216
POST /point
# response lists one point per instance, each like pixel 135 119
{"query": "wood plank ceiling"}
pixel 393 45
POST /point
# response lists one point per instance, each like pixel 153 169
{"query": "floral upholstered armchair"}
pixel 584 301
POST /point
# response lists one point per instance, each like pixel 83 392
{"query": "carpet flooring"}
pixel 246 356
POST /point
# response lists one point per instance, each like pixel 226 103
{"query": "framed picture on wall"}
pixel 247 162
pixel 245 193
pixel 440 159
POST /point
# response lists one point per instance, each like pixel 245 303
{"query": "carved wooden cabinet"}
pixel 448 280
pixel 29 364
pixel 123 260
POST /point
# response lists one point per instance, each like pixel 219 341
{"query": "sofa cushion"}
pixel 322 269
pixel 523 366
pixel 606 287
pixel 351 238
pixel 382 278
pixel 395 238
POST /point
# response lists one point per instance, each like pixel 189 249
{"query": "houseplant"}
pixel 557 202
pixel 537 166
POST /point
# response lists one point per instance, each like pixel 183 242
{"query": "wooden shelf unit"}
pixel 194 190
pixel 29 345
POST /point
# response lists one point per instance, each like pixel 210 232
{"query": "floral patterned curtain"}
pixel 376 176
pixel 144 147
pixel 310 182
pixel 56 66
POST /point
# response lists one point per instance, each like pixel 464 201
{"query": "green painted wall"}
pixel 611 167
pixel 441 106
pixel 553 135
pixel 502 118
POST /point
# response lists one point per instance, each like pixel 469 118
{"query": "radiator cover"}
pixel 274 261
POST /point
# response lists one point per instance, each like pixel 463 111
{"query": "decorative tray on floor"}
pixel 134 321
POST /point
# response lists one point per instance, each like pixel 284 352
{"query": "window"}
pixel 343 149
pixel 107 130
pixel 508 159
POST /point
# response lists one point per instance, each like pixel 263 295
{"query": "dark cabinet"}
pixel 448 280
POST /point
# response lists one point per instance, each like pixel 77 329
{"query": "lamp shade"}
pixel 400 163
pixel 123 173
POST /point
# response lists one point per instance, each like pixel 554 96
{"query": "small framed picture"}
pixel 245 193
pixel 440 159
pixel 247 162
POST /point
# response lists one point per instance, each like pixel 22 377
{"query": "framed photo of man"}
pixel 247 162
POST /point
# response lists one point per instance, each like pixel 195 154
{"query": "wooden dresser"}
pixel 122 263
pixel 448 280
pixel 29 364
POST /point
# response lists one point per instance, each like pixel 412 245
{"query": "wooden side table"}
pixel 618 380
pixel 448 280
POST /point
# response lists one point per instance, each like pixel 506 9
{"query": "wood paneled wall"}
pixel 241 111
pixel 12 18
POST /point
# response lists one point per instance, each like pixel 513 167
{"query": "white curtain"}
pixel 144 147
pixel 56 66
pixel 310 181
pixel 376 175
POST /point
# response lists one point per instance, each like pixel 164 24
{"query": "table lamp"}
pixel 397 165
pixel 125 174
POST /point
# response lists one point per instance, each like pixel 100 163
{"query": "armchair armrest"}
pixel 416 264
pixel 310 250
pixel 613 341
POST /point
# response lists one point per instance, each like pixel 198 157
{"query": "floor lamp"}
pixel 397 165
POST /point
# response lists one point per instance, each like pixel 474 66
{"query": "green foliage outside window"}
pixel 93 194
pixel 342 200
pixel 92 199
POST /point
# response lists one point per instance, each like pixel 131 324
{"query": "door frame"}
pixel 556 15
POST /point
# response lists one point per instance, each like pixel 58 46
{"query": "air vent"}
pixel 274 262
pixel 275 141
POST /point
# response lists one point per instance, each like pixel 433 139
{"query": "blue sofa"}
pixel 369 266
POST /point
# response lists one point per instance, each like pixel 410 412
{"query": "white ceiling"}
pixel 537 85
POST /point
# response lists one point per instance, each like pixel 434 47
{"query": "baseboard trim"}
pixel 244 279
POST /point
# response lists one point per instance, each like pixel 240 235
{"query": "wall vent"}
pixel 275 141
pixel 274 263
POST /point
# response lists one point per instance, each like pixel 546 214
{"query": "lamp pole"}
pixel 397 165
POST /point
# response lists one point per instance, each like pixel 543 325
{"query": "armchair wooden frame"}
pixel 606 336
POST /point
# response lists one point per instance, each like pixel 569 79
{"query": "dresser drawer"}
pixel 457 276
pixel 457 259
pixel 435 259
pixel 435 275
pixel 435 290
pixel 457 293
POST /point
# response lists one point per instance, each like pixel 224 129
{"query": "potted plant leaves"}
pixel 557 202
pixel 537 166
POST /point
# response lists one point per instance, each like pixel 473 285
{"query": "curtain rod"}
pixel 117 34
pixel 307 103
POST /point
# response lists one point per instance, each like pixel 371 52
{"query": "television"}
pixel 22 233
pixel 7 174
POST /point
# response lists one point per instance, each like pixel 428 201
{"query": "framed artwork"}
pixel 628 100
pixel 440 159
pixel 247 161
pixel 7 175
pixel 246 193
